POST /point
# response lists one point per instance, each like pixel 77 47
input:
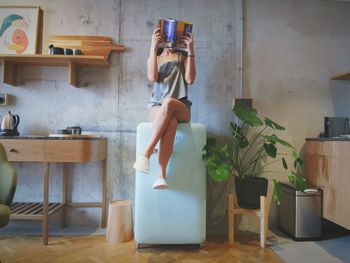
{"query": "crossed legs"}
pixel 165 119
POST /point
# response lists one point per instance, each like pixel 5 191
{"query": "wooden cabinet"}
pixel 327 166
pixel 49 150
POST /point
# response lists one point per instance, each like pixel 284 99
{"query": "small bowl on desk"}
pixel 63 131
pixel 74 129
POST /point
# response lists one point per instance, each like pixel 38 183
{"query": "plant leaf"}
pixel 295 155
pixel 247 114
pixel 299 182
pixel 275 139
pixel 284 163
pixel 235 128
pixel 273 124
pixel 243 142
pixel 270 149
pixel 211 142
pixel 298 163
pixel 220 172
pixel 277 191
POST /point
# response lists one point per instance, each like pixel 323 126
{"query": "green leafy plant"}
pixel 248 157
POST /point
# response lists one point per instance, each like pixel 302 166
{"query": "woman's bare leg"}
pixel 161 116
pixel 166 146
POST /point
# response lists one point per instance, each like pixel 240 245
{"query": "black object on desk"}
pixel 335 126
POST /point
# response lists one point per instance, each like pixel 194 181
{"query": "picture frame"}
pixel 21 30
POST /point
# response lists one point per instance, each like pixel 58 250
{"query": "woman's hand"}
pixel 152 64
pixel 157 37
pixel 189 41
pixel 190 66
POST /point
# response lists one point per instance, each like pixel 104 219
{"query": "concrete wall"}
pixel 112 101
pixel 293 46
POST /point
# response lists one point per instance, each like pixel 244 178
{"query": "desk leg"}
pixel 46 204
pixel 104 193
pixel 64 196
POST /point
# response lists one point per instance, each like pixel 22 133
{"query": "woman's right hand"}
pixel 157 37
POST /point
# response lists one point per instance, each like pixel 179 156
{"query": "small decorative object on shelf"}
pixel 3 99
pixel 55 50
pixel 63 51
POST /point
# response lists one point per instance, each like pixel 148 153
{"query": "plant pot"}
pixel 249 190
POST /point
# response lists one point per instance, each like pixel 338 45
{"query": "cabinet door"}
pixel 23 150
pixel 318 172
pixel 327 166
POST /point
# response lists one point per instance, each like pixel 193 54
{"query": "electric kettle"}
pixel 9 124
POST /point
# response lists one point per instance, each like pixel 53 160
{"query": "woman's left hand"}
pixel 189 41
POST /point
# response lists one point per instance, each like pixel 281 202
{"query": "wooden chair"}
pixel 8 182
pixel 234 209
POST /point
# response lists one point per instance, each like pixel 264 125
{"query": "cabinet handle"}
pixel 12 150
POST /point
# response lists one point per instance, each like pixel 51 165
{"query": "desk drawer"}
pixel 75 150
pixel 24 150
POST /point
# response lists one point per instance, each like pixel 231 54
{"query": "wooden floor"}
pixel 96 249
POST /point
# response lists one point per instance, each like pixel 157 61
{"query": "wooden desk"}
pixel 327 166
pixel 58 150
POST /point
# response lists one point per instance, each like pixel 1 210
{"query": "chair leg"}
pixel 231 219
pixel 263 221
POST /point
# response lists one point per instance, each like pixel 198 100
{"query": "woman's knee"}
pixel 169 105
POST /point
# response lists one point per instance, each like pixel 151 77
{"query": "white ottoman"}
pixel 176 215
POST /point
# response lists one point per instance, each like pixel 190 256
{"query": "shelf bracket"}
pixel 9 72
pixel 73 74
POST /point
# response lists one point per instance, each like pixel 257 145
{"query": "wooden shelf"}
pixel 341 76
pixel 32 211
pixel 73 62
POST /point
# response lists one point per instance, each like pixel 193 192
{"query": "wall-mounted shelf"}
pixel 341 76
pixel 73 62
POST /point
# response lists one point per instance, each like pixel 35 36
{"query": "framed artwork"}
pixel 20 29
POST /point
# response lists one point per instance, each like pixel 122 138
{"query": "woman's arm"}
pixel 152 64
pixel 190 65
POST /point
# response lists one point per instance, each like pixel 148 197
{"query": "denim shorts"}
pixel 184 100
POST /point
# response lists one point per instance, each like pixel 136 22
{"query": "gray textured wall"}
pixel 112 101
pixel 293 46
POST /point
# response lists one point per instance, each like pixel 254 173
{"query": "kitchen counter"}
pixel 52 137
pixel 328 139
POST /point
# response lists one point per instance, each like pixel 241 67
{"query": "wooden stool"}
pixel 234 209
pixel 119 225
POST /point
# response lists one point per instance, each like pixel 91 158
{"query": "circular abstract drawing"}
pixel 20 41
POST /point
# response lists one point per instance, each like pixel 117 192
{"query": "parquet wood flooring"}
pixel 96 249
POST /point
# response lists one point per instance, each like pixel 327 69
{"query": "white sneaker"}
pixel 160 183
pixel 142 164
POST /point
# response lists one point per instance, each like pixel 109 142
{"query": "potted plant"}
pixel 247 157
